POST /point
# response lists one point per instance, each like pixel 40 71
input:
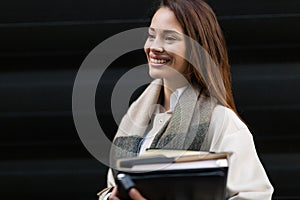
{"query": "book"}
pixel 172 175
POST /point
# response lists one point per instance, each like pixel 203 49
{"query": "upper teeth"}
pixel 157 60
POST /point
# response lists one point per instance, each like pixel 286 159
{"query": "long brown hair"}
pixel 200 23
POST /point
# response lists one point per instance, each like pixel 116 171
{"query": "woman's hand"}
pixel 133 193
pixel 113 195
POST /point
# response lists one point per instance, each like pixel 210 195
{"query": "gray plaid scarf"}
pixel 186 130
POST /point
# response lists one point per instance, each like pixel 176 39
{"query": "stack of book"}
pixel 172 175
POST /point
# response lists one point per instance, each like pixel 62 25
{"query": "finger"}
pixel 115 191
pixel 113 198
pixel 113 195
pixel 135 195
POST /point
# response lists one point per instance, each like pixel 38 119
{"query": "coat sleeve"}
pixel 103 194
pixel 247 178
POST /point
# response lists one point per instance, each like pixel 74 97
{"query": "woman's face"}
pixel 164 45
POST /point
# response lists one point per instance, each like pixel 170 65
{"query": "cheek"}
pixel 179 61
pixel 181 56
pixel 147 47
pixel 146 50
pixel 178 51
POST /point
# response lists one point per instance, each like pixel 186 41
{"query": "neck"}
pixel 167 96
pixel 170 87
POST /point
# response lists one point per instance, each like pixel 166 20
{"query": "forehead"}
pixel 164 18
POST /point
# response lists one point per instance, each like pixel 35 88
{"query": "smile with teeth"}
pixel 158 61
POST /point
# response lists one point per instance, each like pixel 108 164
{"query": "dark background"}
pixel 43 44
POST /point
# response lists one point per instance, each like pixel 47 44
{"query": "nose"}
pixel 156 45
pixel 157 49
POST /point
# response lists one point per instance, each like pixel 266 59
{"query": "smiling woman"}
pixel 189 105
pixel 165 44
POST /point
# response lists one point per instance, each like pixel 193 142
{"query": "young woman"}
pixel 190 105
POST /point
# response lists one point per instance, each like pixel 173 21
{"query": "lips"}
pixel 158 60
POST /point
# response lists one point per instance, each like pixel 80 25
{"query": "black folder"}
pixel 159 177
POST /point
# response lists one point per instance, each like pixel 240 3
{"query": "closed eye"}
pixel 171 38
pixel 150 36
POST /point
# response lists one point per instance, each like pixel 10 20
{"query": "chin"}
pixel 157 73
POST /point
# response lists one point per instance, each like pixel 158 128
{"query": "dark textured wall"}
pixel 43 44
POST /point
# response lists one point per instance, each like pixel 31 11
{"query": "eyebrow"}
pixel 166 31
